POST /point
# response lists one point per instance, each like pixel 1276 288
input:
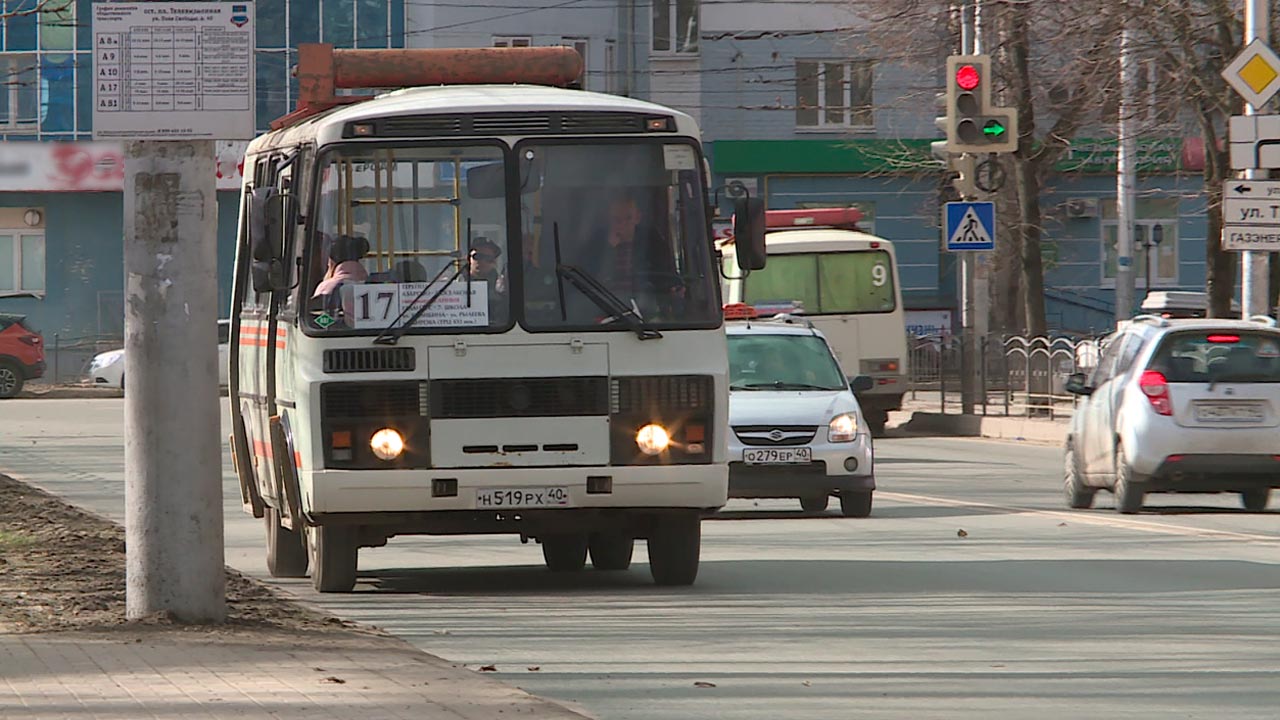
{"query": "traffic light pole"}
pixel 1254 273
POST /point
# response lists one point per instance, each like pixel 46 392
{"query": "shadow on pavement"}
pixel 849 577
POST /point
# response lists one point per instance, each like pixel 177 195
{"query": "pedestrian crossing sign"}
pixel 971 226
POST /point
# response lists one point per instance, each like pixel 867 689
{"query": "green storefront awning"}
pixel 855 156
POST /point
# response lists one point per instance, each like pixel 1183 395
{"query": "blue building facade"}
pixel 61 207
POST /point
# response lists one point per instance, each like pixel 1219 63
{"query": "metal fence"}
pixel 1017 375
pixel 67 358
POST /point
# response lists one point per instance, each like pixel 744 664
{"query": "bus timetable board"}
pixel 173 71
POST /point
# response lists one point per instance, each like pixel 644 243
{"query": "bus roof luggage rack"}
pixel 323 69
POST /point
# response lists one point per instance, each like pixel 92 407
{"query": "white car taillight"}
pixel 1156 388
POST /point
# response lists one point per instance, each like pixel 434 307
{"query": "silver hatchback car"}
pixel 1178 406
pixel 796 428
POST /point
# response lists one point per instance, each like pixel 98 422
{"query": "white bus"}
pixel 844 281
pixel 477 309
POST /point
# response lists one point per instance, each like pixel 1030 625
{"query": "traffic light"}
pixel 973 123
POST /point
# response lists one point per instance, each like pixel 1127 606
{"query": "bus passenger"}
pixel 635 260
pixel 345 252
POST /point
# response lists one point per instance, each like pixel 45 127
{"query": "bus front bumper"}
pixel 702 487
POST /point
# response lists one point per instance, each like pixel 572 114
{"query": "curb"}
pixel 67 392
pixel 1046 432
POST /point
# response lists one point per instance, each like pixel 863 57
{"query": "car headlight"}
pixel 387 444
pixel 843 428
pixel 653 439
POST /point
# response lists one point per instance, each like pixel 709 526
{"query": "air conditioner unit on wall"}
pixel 1081 208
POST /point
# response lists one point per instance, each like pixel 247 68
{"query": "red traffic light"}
pixel 967 77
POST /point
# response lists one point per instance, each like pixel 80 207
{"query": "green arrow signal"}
pixel 993 129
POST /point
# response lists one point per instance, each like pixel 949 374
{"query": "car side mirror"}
pixel 748 233
pixel 1078 384
pixel 861 383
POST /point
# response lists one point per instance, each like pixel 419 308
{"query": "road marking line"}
pixel 1080 517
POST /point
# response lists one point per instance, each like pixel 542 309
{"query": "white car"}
pixel 796 430
pixel 107 368
pixel 1178 406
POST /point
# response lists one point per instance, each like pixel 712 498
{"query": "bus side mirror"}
pixel 268 210
pixel 861 383
pixel 748 233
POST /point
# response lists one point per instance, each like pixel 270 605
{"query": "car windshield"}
pixel 629 215
pixel 783 362
pixel 398 227
pixel 825 283
pixel 1219 356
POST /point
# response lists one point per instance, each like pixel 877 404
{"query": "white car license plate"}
pixel 1230 412
pixel 531 497
pixel 777 456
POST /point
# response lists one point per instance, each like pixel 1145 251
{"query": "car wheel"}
pixel 814 504
pixel 564 553
pixel 855 504
pixel 334 558
pixel 10 379
pixel 1255 500
pixel 611 551
pixel 286 549
pixel 1129 494
pixel 876 423
pixel 1079 495
pixel 674 547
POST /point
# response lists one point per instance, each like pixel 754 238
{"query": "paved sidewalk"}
pixel 133 673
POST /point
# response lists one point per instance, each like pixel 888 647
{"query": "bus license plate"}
pixel 532 497
pixel 777 456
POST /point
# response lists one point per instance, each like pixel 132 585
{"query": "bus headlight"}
pixel 387 444
pixel 653 439
pixel 843 428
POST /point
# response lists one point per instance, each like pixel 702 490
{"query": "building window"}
pixel 611 66
pixel 21 261
pixel 583 47
pixel 1155 242
pixel 20 95
pixel 508 41
pixel 675 26
pixel 834 94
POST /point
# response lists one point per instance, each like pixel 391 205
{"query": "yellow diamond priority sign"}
pixel 1255 73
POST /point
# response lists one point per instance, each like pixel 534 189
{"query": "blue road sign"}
pixel 971 226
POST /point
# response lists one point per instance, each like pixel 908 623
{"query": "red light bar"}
pixel 1224 339
pixel 815 217
pixel 739 311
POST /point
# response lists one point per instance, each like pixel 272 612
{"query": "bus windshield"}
pixel 829 283
pixel 397 227
pixel 626 214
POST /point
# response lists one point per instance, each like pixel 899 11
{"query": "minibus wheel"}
pixel 286 549
pixel 674 546
pixel 334 556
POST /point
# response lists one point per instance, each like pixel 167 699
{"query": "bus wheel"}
pixel 333 558
pixel 674 546
pixel 611 551
pixel 286 549
pixel 564 553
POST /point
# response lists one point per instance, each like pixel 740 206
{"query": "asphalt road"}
pixel 1038 611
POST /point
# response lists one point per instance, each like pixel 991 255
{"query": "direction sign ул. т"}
pixel 1251 215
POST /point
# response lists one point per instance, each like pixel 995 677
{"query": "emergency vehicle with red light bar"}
pixel 483 303
pixel 845 282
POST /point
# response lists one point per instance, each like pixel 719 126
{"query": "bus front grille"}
pixel 519 397
pixel 349 360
